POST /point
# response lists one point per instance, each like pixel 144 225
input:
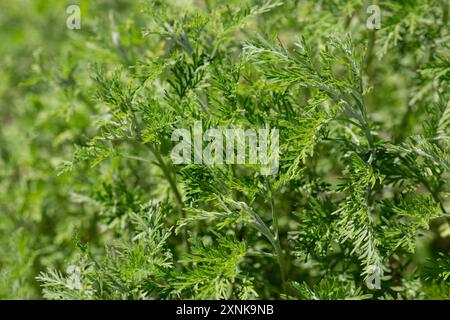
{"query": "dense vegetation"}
pixel 92 207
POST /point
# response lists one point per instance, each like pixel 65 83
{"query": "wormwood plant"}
pixel 357 210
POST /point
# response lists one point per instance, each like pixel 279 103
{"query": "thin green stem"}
pixel 166 172
pixel 173 186
pixel 277 243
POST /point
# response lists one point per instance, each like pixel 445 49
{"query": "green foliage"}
pixel 215 272
pixel 331 289
pixel 133 268
pixel 93 207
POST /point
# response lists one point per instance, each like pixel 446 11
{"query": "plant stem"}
pixel 277 243
pixel 167 174
pixel 173 186
pixel 434 194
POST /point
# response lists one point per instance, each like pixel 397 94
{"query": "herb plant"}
pixel 93 206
